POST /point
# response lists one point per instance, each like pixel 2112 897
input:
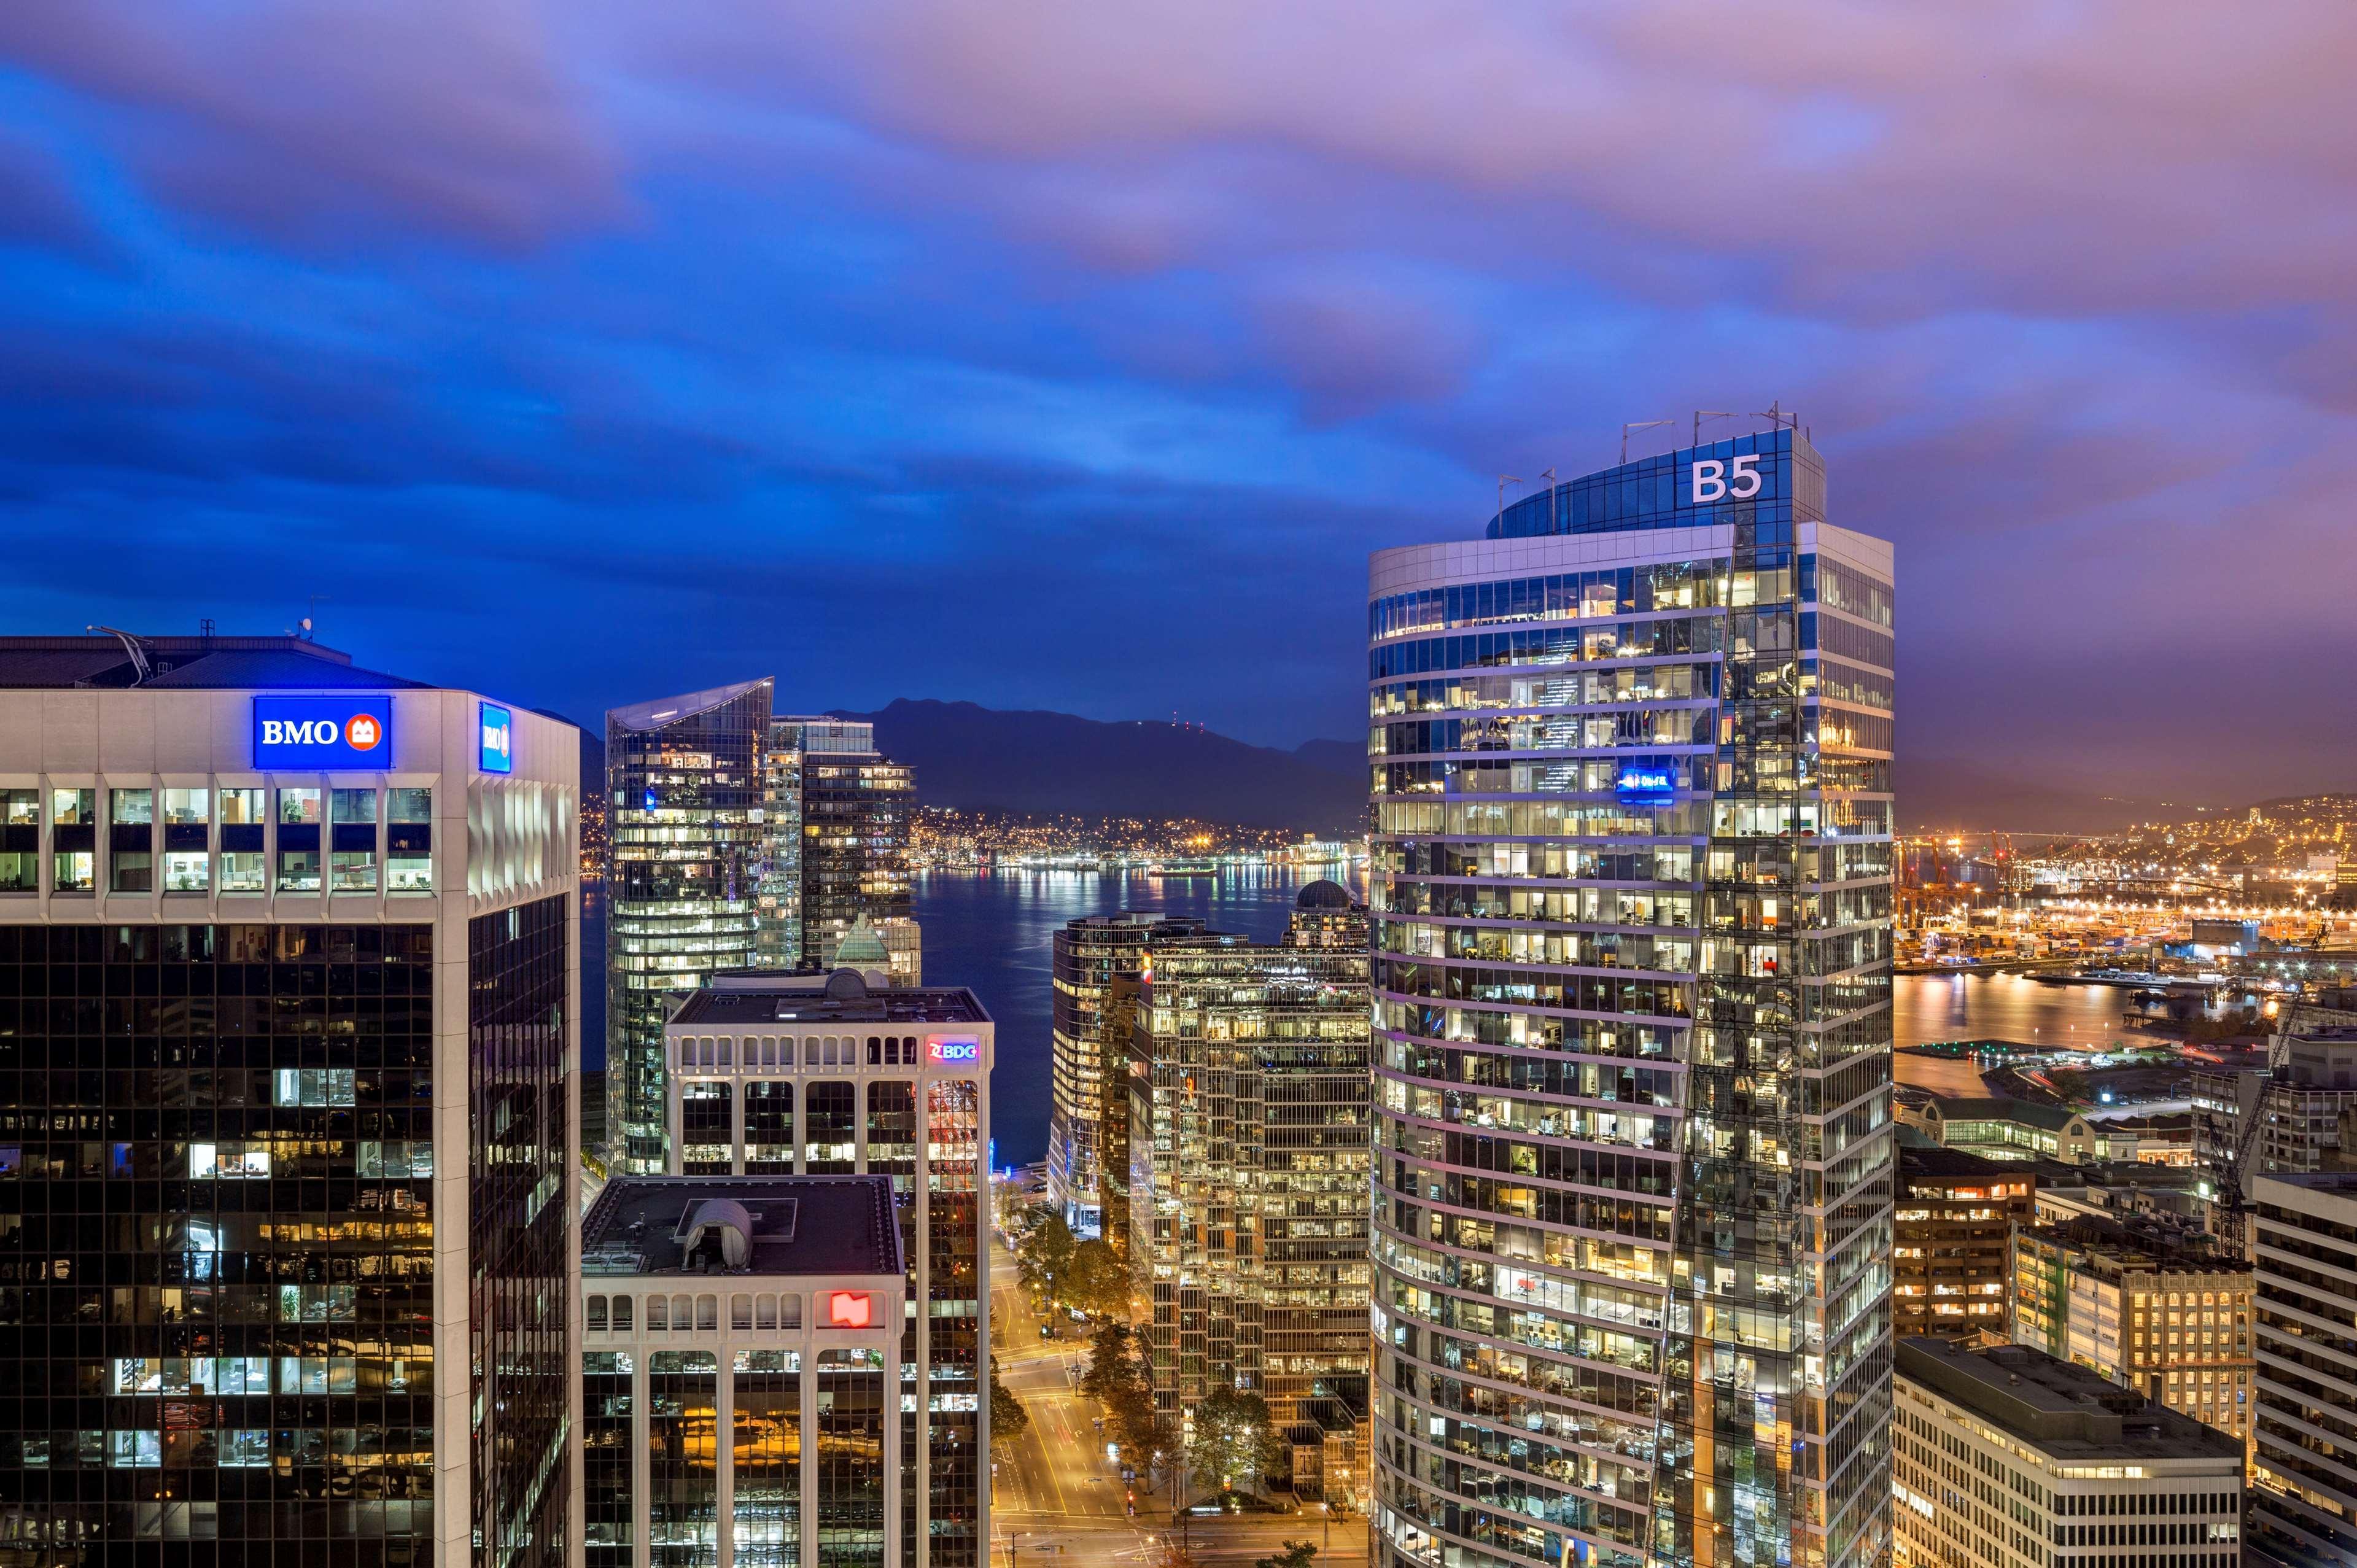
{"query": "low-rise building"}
pixel 2009 1458
pixel 2161 1311
pixel 1951 1268
pixel 2020 1130
pixel 741 1342
pixel 2304 1254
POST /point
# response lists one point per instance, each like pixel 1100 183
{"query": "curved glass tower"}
pixel 1631 902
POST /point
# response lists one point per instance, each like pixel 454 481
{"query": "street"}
pixel 1059 1502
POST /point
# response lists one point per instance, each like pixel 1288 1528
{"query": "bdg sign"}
pixel 953 1051
pixel 319 735
pixel 498 726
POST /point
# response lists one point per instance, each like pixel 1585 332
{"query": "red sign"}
pixel 849 1309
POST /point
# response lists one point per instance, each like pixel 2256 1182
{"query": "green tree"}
pixel 1109 1362
pixel 1008 1418
pixel 1233 1440
pixel 1043 1253
pixel 1296 1555
pixel 1095 1282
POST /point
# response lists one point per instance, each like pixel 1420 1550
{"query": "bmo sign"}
pixel 1727 478
pixel 321 734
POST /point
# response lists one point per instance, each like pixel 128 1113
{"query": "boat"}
pixel 1188 868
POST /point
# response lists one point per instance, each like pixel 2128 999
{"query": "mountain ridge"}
pixel 971 757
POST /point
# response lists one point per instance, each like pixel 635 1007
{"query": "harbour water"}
pixel 992 930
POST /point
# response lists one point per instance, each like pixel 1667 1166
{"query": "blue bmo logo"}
pixel 321 734
pixel 498 726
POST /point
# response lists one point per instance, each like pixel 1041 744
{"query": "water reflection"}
pixel 992 930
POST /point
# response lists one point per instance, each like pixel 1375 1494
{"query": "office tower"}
pixel 2009 1458
pixel 2297 1106
pixel 739 1336
pixel 1087 953
pixel 288 983
pixel 1116 1018
pixel 2303 1492
pixel 821 1075
pixel 855 805
pixel 1953 1264
pixel 2163 1311
pixel 1630 880
pixel 1248 1172
pixel 686 802
pixel 778 899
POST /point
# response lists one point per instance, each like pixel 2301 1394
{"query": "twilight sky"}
pixel 1073 353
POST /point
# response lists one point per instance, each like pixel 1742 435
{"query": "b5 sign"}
pixel 319 735
pixel 1734 479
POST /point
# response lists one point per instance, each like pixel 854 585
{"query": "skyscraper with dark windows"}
pixel 1084 1058
pixel 856 806
pixel 289 978
pixel 687 797
pixel 1631 891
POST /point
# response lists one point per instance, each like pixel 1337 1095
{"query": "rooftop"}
pixel 1936 1163
pixel 2140 1246
pixel 806 1225
pixel 2067 1412
pixel 108 662
pixel 2029 1112
pixel 661 711
pixel 743 997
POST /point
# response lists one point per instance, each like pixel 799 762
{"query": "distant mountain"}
pixel 1947 793
pixel 976 758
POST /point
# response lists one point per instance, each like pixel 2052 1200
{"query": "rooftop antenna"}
pixel 1503 480
pixel 1702 414
pixel 316 601
pixel 1546 477
pixel 139 670
pixel 1637 425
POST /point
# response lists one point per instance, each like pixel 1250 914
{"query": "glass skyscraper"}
pixel 1248 1091
pixel 1631 904
pixel 686 801
pixel 855 805
pixel 287 1066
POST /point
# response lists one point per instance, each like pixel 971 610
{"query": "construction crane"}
pixel 2230 1151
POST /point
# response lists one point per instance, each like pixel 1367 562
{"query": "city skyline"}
pixel 654 329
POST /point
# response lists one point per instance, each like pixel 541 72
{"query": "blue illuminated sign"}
pixel 497 728
pixel 1645 782
pixel 953 1051
pixel 322 733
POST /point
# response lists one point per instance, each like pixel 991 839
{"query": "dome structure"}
pixel 1324 894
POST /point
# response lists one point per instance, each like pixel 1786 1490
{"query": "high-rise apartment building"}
pixel 811 1075
pixel 289 979
pixel 686 803
pixel 857 807
pixel 2166 1314
pixel 2304 1253
pixel 738 1340
pixel 2297 1107
pixel 1088 952
pixel 1248 1169
pixel 2009 1458
pixel 1952 1249
pixel 1631 883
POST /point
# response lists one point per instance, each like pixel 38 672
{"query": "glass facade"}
pixel 1631 899
pixel 521 1120
pixel 217 1322
pixel 951 1326
pixel 856 806
pixel 1249 1158
pixel 686 800
pixel 1088 953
